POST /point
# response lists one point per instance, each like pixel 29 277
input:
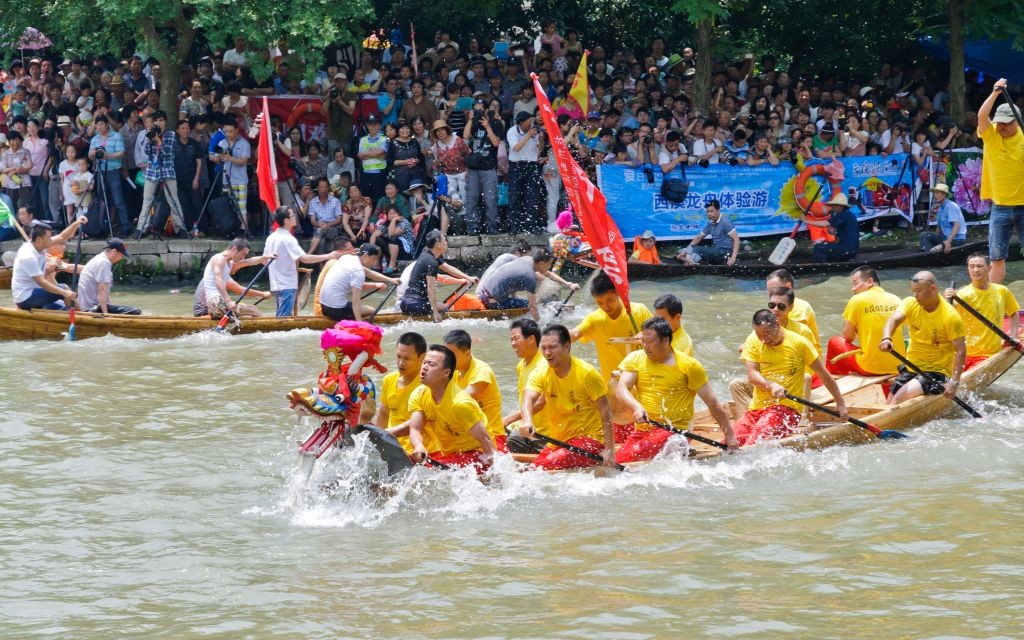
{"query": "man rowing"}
pixel 518 249
pixel 991 300
pixel 343 245
pixel 863 322
pixel 397 386
pixel 475 377
pixel 98 278
pixel 801 311
pixel 420 296
pixel 445 423
pixel 340 297
pixel 609 321
pixel 284 272
pixel 670 308
pixel 937 344
pixel 212 297
pixel 29 286
pixel 666 381
pixel 775 359
pixel 498 287
pixel 524 334
pixel 575 397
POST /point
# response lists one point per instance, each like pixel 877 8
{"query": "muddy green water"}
pixel 147 490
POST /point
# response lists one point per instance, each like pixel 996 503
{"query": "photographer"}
pixel 524 179
pixel 672 154
pixel 233 153
pixel 484 133
pixel 337 109
pixel 708 149
pixel 106 150
pixel 898 133
pixel 158 146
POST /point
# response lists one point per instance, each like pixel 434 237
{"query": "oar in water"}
pixel 427 460
pixel 574 449
pixel 689 434
pixel 561 307
pixel 916 369
pixel 886 434
pixel 229 314
pixel 1016 344
pixel 391 452
pixel 381 305
pixel 74 286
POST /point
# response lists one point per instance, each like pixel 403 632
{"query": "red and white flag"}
pixel 588 203
pixel 266 168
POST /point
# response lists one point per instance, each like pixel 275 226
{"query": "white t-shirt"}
pixel 210 280
pixel 27 264
pixel 235 58
pixel 284 274
pixel 344 276
pixel 700 148
pixel 97 271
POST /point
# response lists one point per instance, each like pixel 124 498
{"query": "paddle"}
pixel 913 367
pixel 1016 344
pixel 379 306
pixel 387 445
pixel 786 245
pixel 427 460
pixel 689 434
pixel 887 434
pixel 17 225
pixel 227 316
pixel 561 307
pixel 461 291
pixel 574 449
pixel 74 286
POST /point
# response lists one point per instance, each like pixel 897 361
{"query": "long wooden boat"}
pixel 910 258
pixel 5 277
pixel 16 324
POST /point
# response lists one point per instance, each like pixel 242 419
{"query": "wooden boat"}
pixel 5 277
pixel 37 324
pixel 907 258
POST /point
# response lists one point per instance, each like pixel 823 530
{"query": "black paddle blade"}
pixel 391 451
pixel 889 434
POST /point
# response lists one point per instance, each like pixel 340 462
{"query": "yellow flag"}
pixel 580 91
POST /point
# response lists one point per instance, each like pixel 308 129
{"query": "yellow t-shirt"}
pixel 783 363
pixel 448 422
pixel 993 303
pixel 599 328
pixel 681 341
pixel 523 371
pixel 1002 168
pixel 317 309
pixel 570 402
pixel 868 312
pixel 802 312
pixel 932 335
pixel 490 397
pixel 396 399
pixel 666 391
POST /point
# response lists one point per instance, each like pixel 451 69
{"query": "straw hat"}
pixel 839 200
pixel 440 124
pixel 941 188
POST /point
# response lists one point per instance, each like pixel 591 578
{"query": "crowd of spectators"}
pixel 454 127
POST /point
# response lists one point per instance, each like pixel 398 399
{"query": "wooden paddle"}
pixel 886 434
pixel 561 307
pixel 786 245
pixel 1016 344
pixel 574 449
pixel 230 314
pixel 689 434
pixel 916 369
pixel 17 225
pixel 379 306
pixel 453 298
pixel 74 285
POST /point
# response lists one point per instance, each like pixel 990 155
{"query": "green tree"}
pixel 703 14
pixel 166 29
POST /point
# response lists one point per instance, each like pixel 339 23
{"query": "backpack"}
pixel 675 189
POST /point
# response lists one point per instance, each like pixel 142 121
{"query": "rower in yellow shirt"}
pixel 396 388
pixel 669 308
pixel 575 397
pixel 863 321
pixel 477 378
pixel 445 423
pixel 524 335
pixel 937 344
pixel 609 321
pixel 666 381
pixel 994 301
pixel 801 311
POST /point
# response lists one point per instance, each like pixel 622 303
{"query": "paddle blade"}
pixel 782 251
pixel 889 434
pixel 71 326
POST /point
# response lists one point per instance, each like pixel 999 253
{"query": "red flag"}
pixel 588 202
pixel 266 169
pixel 412 41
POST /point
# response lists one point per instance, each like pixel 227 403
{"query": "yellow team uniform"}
pixel 1002 168
pixel 802 312
pixel 396 399
pixel 932 335
pixel 523 371
pixel 447 422
pixel 783 363
pixel 317 309
pixel 868 311
pixel 802 330
pixel 994 302
pixel 666 391
pixel 570 402
pixel 681 341
pixel 490 397
pixel 599 328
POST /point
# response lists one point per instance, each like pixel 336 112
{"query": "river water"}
pixel 148 489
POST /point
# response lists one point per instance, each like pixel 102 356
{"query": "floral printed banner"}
pixel 961 171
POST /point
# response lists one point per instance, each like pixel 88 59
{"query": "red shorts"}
pixel 622 432
pixel 771 423
pixel 973 361
pixel 462 459
pixel 552 457
pixel 642 445
pixel 846 366
pixel 499 443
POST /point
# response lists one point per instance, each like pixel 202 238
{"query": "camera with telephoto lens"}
pixel 730 159
pixel 334 93
pixel 705 163
pixel 297 168
pixel 101 152
pixel 153 133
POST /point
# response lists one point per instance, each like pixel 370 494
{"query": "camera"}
pixel 297 168
pixel 841 121
pixel 727 157
pixel 649 173
pixel 101 152
pixel 334 93
pixel 154 133
pixel 704 163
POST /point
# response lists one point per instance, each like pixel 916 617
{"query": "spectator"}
pixel 356 214
pixel 39 150
pixel 708 149
pixel 15 165
pixel 952 229
pixel 762 153
pixel 672 155
pixel 314 164
pixel 339 165
pixel 325 215
pixel 188 164
pixel 338 106
pixel 524 174
pixel 233 153
pixel 405 158
pixel 419 104
pixel 394 238
pixel 108 164
pixel 373 152
pixel 158 146
pixel 450 152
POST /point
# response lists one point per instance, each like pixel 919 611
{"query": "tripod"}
pixel 213 187
pixel 101 193
pixel 234 203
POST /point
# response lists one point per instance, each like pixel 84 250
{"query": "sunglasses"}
pixel 781 306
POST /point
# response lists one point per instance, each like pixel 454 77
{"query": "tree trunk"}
pixel 957 82
pixel 170 78
pixel 702 81
pixel 170 57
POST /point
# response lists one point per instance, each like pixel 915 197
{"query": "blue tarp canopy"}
pixel 994 59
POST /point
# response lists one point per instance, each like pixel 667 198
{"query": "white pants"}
pixel 171 193
pixel 457 186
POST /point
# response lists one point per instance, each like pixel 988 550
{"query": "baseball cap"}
pixel 372 118
pixel 117 243
pixel 647 235
pixel 1005 114
pixel 368 249
pixel 340 76
pixel 594 115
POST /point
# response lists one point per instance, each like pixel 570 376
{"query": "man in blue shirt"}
pixel 845 227
pixel 107 164
pixel 952 227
